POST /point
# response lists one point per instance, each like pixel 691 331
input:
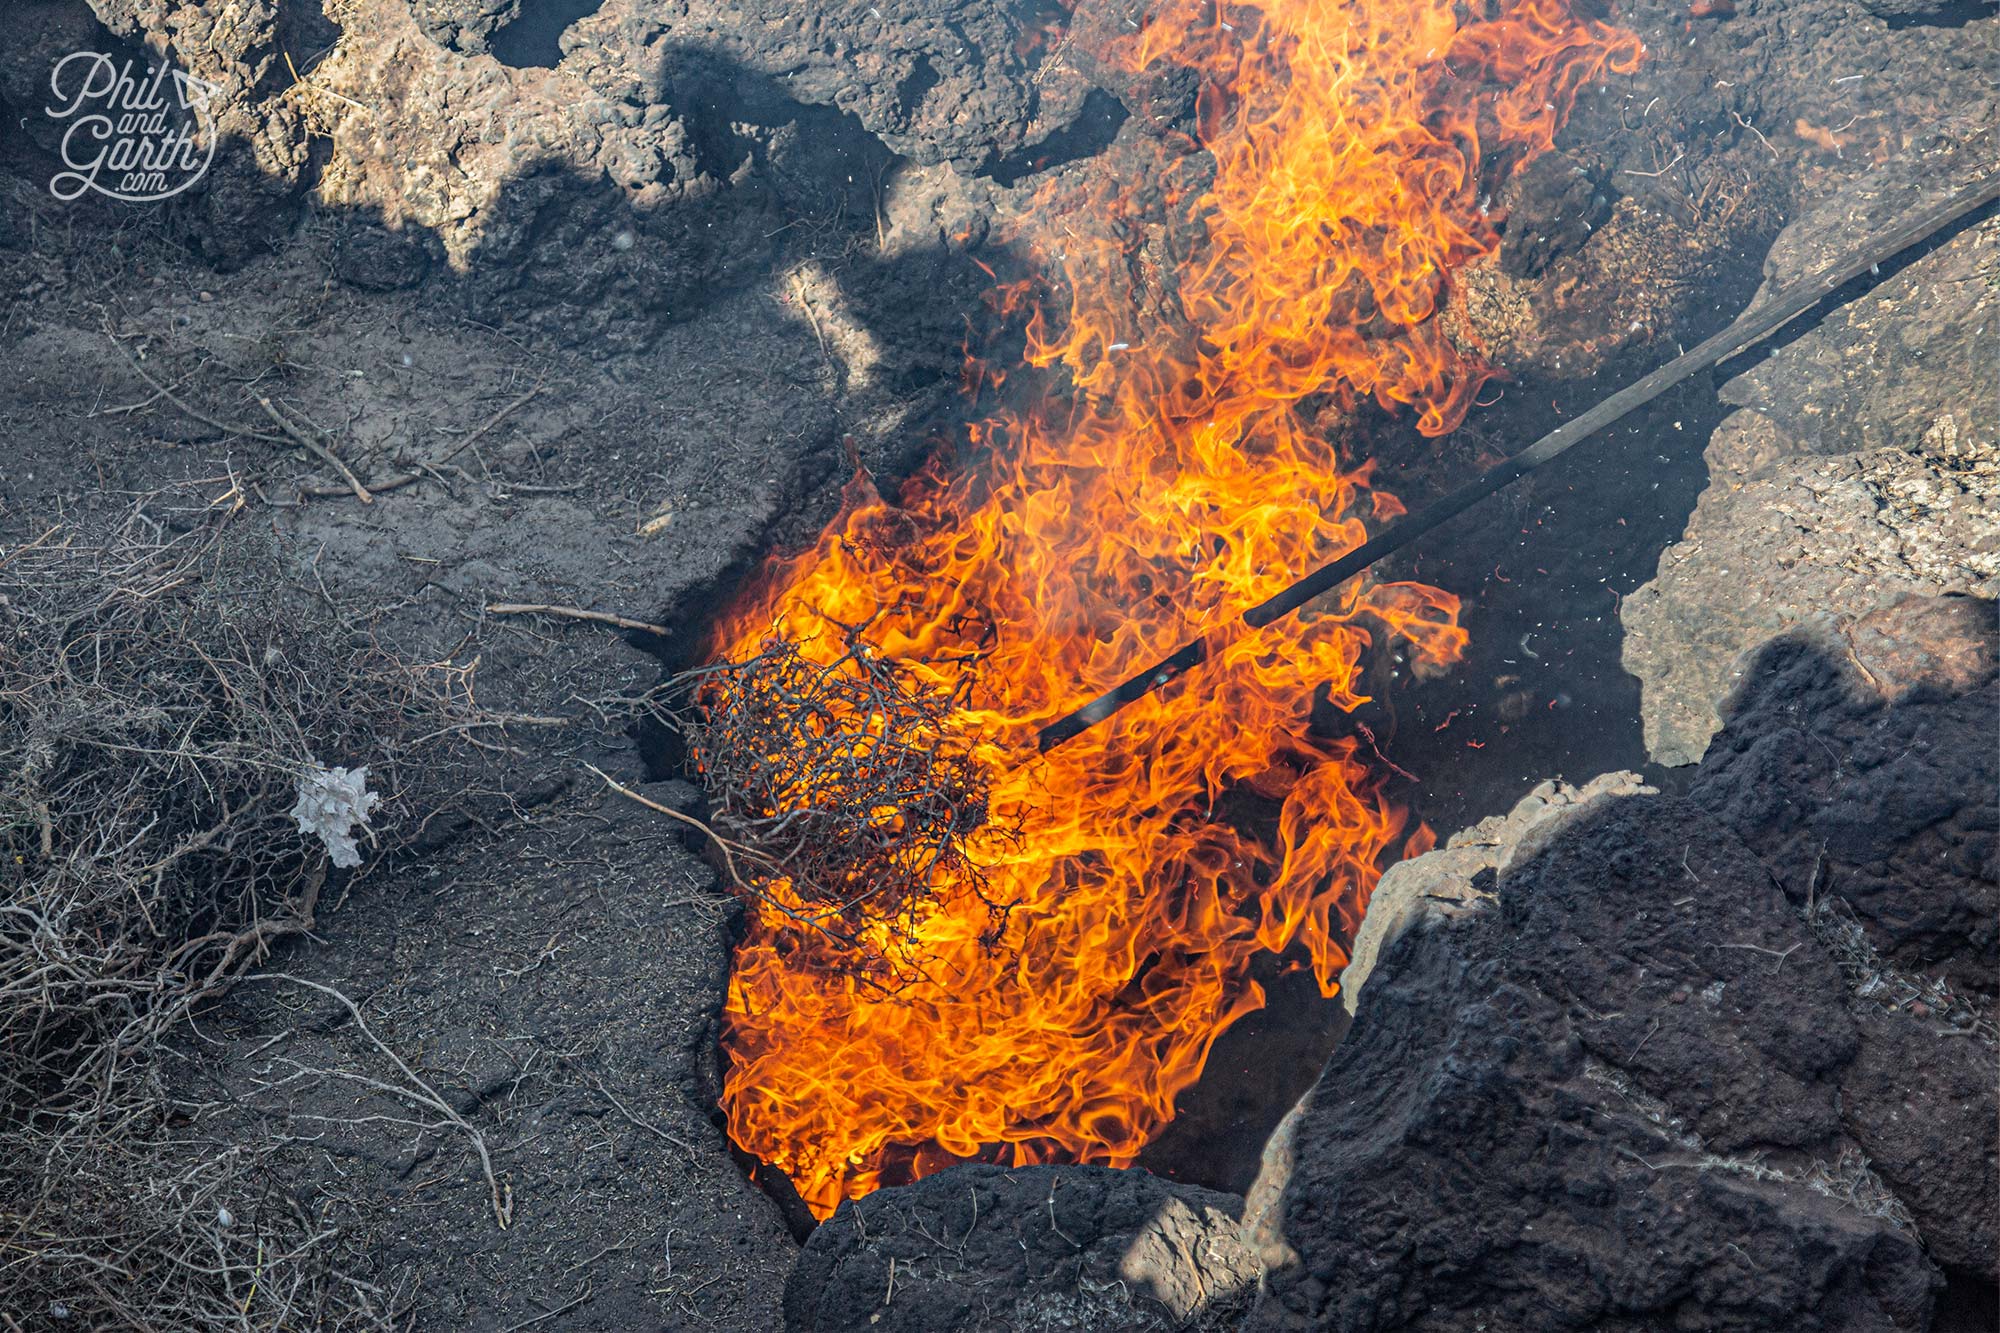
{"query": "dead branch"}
pixel 735 856
pixel 574 613
pixel 402 479
pixel 648 1126
pixel 226 427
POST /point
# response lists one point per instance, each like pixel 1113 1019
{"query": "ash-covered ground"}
pixel 489 304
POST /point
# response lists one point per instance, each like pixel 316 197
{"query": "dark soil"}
pixel 539 980
pixel 1034 1248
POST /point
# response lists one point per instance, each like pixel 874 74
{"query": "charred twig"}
pixel 34 545
pixel 1052 1216
pixel 1780 954
pixel 546 1315
pixel 648 1126
pixel 1654 175
pixel 729 850
pixel 733 854
pixel 812 318
pixel 1754 130
pixel 124 409
pixel 395 483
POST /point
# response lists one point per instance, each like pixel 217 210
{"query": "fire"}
pixel 1175 479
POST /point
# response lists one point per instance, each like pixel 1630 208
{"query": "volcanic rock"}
pixel 1652 1076
pixel 936 80
pixel 464 25
pixel 1859 761
pixel 1565 203
pixel 650 172
pixel 1864 467
pixel 1457 877
pixel 984 1247
pixel 247 201
pixel 1427 890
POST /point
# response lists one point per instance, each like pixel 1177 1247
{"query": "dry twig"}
pixel 226 427
pixel 318 447
pixel 480 432
pixel 574 613
pixel 418 1092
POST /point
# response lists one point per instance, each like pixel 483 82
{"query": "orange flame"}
pixel 1177 481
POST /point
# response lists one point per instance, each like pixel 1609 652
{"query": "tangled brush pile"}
pixel 845 789
pixel 165 818
pixel 155 744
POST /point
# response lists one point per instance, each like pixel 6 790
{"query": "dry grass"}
pixel 1853 1182
pixel 161 696
pixel 123 1223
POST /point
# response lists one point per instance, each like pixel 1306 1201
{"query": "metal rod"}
pixel 1750 328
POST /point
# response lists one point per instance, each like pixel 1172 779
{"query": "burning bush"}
pixel 1155 466
pixel 846 784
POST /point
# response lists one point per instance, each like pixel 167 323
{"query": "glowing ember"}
pixel 1177 480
